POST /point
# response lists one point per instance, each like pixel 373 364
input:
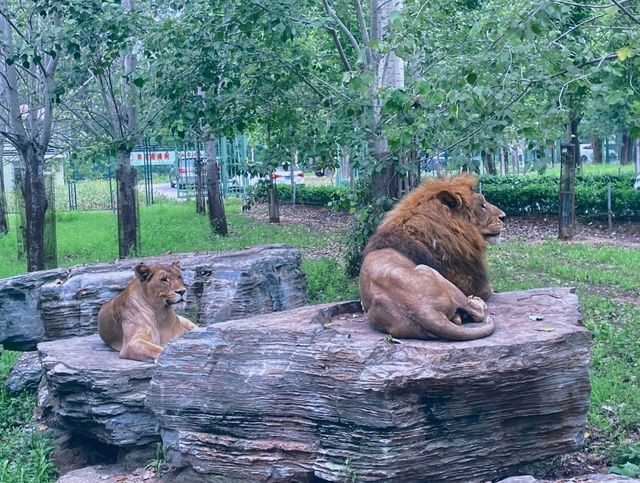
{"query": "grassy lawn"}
pixel 24 451
pixel 607 280
pixel 90 237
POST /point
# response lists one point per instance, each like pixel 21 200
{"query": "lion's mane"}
pixel 423 227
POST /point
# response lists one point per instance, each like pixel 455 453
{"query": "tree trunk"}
pixel 596 142
pixel 217 217
pixel 4 225
pixel 200 198
pixel 274 204
pixel 35 202
pixel 389 73
pixel 489 164
pixel 569 161
pixel 128 223
pixel 626 152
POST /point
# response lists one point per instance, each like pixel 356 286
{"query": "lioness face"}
pixel 488 218
pixel 162 282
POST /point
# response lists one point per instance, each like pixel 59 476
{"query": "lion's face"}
pixel 162 283
pixel 488 218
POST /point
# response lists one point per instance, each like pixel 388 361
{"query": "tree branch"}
pixel 626 12
pixel 342 26
pixel 338 45
pixel 364 33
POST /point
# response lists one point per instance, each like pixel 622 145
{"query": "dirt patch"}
pixel 530 229
pixel 534 230
pixel 318 218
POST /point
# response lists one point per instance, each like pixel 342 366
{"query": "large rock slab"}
pixel 94 393
pixel 317 393
pixel 62 303
pixel 25 374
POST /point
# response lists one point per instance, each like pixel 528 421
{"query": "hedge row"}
pixel 518 195
pixel 515 195
pixel 308 195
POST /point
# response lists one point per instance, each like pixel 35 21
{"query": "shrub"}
pixel 539 195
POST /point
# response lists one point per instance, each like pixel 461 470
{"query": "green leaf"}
pixel 634 132
pixel 628 469
pixel 624 53
pixel 472 77
pixel 139 82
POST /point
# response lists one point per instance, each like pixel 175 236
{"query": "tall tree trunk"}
pixel 626 152
pixel 596 142
pixel 274 203
pixel 200 198
pixel 4 225
pixel 636 185
pixel 489 163
pixel 217 217
pixel 128 223
pixel 389 73
pixel 569 161
pixel 35 202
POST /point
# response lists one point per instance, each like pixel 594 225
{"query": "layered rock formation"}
pixel 316 393
pixel 62 303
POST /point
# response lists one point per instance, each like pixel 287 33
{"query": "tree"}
pixel 31 52
pixel 113 106
pixel 4 225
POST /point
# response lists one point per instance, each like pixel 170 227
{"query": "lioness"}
pixel 425 271
pixel 140 320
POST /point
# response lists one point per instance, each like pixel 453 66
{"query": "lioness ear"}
pixel 143 272
pixel 450 199
pixel 176 264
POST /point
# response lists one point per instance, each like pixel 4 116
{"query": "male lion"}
pixel 424 270
pixel 140 320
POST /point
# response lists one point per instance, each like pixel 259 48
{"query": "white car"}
pixel 586 154
pixel 283 176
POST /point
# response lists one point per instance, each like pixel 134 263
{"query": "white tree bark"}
pixel 389 73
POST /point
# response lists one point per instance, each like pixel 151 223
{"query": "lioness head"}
pixel 162 283
pixel 473 206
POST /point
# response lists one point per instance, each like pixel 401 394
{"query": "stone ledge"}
pixel 316 393
pixel 63 303
pixel 96 394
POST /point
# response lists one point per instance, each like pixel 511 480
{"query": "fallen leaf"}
pixel 546 329
pixel 390 340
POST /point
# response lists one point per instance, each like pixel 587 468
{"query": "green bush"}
pixel 539 195
pixel 335 196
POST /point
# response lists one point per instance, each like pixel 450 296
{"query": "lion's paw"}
pixel 477 308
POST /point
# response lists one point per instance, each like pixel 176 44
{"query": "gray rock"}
pixel 94 393
pixel 107 474
pixel 25 374
pixel 62 303
pixel 316 392
pixel 594 478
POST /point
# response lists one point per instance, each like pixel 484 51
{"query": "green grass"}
pixel 91 237
pixel 604 277
pixel 24 452
pixel 598 169
pixel 327 281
